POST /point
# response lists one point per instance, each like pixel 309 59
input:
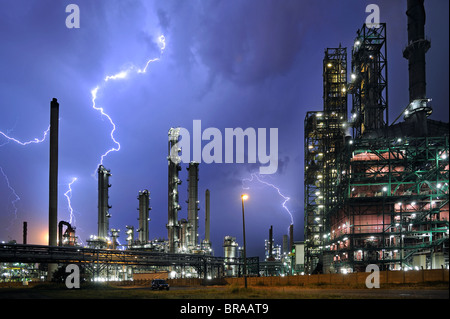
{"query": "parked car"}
pixel 159 284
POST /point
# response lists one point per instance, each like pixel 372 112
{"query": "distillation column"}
pixel 103 206
pixel 174 159
pixel 144 208
pixel 193 205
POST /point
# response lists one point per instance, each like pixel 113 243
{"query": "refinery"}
pixel 376 191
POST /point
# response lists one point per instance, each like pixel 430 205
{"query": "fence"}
pixel 352 279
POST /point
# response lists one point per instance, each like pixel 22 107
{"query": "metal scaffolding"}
pixel 324 137
pixel 368 84
pixel 393 205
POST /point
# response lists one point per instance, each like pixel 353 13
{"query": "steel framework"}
pixel 369 80
pixel 103 260
pixel 393 205
pixel 324 137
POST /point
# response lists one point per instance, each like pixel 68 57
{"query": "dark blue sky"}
pixel 234 63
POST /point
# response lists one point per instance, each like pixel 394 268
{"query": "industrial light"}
pixel 244 196
pixel 329 65
pixel 353 76
pixel 444 156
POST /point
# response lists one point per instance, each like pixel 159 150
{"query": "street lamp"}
pixel 244 197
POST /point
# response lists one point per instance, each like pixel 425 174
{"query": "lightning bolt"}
pixel 35 141
pixel 68 195
pixel 11 139
pixel 13 191
pixel 253 176
pixel 120 76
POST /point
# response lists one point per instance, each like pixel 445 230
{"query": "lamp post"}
pixel 244 197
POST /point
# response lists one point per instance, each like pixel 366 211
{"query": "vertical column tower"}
pixel 103 206
pixel 174 159
pixel 193 205
pixel 144 208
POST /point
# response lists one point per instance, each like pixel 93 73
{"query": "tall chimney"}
pixel 25 231
pixel 291 237
pixel 207 217
pixel 53 183
pixel 419 107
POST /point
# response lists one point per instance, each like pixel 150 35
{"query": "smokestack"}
pixel 144 208
pixel 193 204
pixel 53 184
pixel 207 217
pixel 419 107
pixel 103 206
pixel 25 231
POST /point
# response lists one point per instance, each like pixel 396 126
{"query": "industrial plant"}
pixel 376 192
